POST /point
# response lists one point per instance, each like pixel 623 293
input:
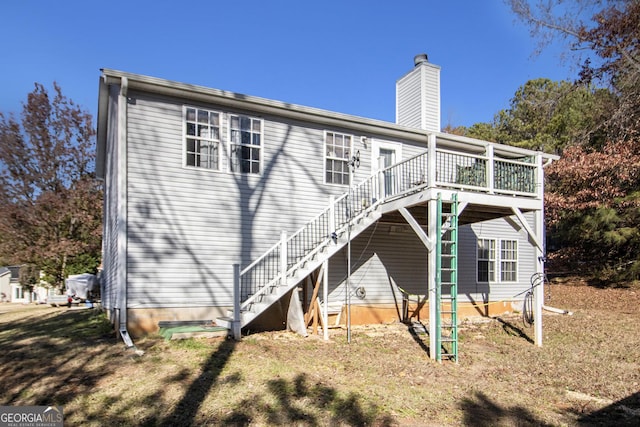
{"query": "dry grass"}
pixel 587 373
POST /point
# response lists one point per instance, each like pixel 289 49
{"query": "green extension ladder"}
pixel 447 280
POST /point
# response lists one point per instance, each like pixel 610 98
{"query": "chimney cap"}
pixel 421 58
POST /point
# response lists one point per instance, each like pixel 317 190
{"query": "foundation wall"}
pixel 145 320
pixel 419 311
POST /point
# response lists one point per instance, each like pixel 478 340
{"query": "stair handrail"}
pixel 399 178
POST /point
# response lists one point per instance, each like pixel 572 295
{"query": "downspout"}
pixel 122 216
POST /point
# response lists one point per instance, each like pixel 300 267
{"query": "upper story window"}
pixel 202 138
pixel 337 149
pixel 245 144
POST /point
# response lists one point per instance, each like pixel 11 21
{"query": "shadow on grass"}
pixel 420 335
pixel 480 411
pixel 43 356
pixel 72 358
pixel 297 402
pixel 625 412
pixel 186 410
pixel 513 330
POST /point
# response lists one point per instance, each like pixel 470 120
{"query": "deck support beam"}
pixel 432 208
pixel 426 241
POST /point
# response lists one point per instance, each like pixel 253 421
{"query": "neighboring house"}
pixel 198 179
pixel 10 287
pixel 12 291
pixel 5 284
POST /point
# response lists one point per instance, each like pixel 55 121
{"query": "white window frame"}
pixel 248 145
pixel 211 141
pixel 489 260
pixel 499 260
pixel 511 260
pixel 333 156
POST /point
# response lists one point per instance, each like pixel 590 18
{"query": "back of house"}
pixel 199 179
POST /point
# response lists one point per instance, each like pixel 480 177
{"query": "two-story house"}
pixel 375 221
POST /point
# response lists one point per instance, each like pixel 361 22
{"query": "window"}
pixel 245 143
pixel 202 136
pixel 337 149
pixel 486 260
pixel 508 260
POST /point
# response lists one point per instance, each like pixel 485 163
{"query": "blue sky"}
pixel 342 56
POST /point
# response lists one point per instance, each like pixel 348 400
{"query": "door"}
pixel 388 156
pixel 385 154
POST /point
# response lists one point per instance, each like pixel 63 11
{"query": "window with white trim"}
pixel 494 265
pixel 486 260
pixel 245 144
pixel 337 149
pixel 202 138
pixel 508 260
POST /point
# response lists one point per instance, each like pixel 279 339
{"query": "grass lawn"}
pixel 587 372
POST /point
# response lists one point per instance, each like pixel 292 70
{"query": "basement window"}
pixel 202 138
pixel 337 149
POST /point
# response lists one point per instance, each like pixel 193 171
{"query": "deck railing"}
pixel 452 169
pixel 514 176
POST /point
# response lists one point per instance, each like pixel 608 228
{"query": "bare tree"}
pixel 51 205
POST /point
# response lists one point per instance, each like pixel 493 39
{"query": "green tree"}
pixel 603 36
pixel 593 191
pixel 548 116
pixel 51 204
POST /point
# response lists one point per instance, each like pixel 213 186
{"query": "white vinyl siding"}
pixel 418 98
pixel 110 244
pixel 384 258
pixel 187 227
